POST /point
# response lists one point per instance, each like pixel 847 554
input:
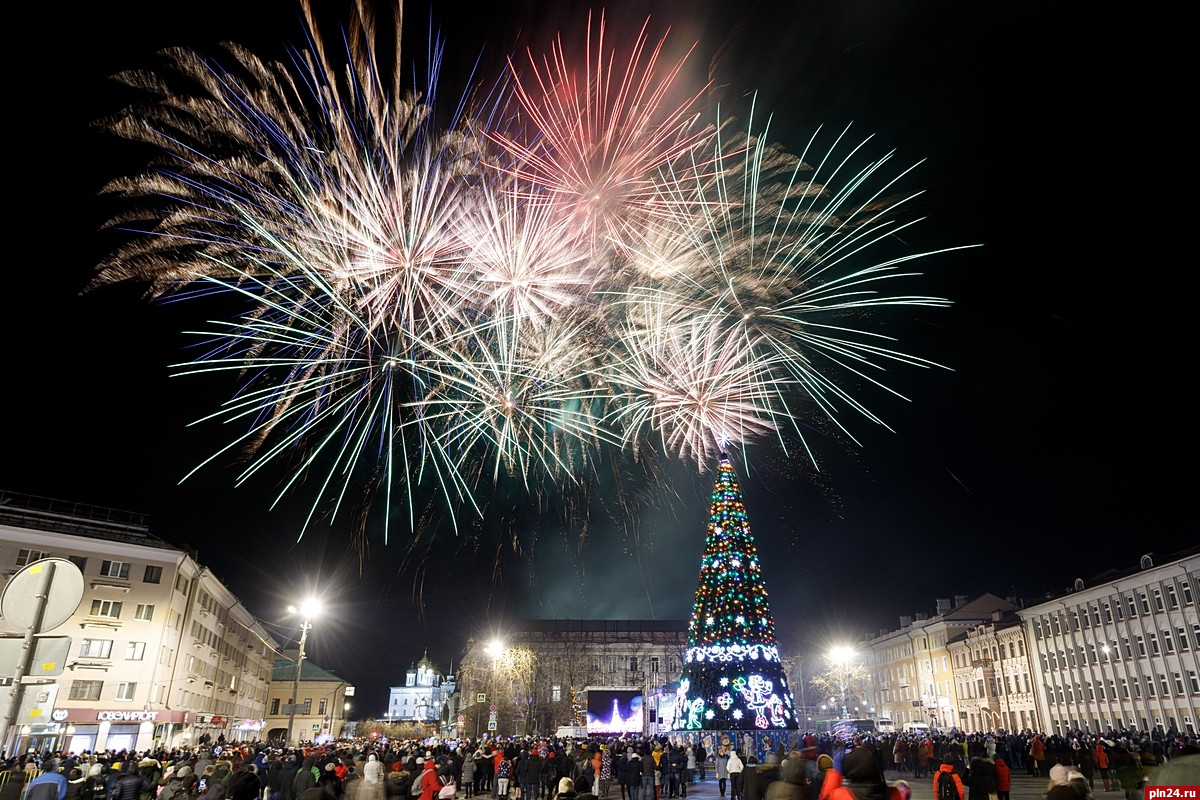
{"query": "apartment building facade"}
pixel 160 650
pixel 992 676
pixel 912 674
pixel 1121 651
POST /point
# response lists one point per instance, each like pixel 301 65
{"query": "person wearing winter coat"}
pixel 468 775
pixel 305 778
pixel 430 785
pixel 981 779
pixel 372 787
pixel 274 773
pixel 329 780
pixel 749 787
pixel 734 766
pixel 792 779
pixel 1037 754
pixel 721 759
pixel 1003 778
pixel 76 783
pixel 947 768
pixel 129 785
pixel 631 775
pixel 397 784
pixel 287 777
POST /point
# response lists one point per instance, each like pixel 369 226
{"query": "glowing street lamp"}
pixel 307 610
pixel 842 656
pixel 495 650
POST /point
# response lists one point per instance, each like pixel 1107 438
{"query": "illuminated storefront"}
pixel 89 730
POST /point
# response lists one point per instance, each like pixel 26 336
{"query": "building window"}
pixel 181 583
pixel 135 651
pixel 115 569
pixel 1168 645
pixel 95 648
pixel 110 609
pixel 555 693
pixel 1183 640
pixel 1172 598
pixel 79 561
pixel 1153 644
pixel 152 575
pixel 125 690
pixel 1145 602
pixel 1124 689
pixel 1130 606
pixel 321 706
pixel 654 664
pixel 1178 683
pixel 1194 681
pixel 1163 685
pixel 1141 646
pixel 275 707
pixel 1158 601
pixel 1186 588
pixel 26 557
pixel 633 664
pixel 145 612
pixel 85 690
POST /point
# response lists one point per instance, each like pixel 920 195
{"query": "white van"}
pixel 884 725
pixel 916 727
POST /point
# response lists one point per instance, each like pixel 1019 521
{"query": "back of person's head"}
pixel 859 766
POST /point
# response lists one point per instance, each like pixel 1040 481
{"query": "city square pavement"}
pixel 1024 787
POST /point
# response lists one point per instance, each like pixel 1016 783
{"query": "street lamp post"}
pixel 842 656
pixel 495 649
pixel 308 609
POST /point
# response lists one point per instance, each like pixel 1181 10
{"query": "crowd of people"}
pixel 959 766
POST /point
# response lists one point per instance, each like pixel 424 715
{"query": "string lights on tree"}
pixel 733 678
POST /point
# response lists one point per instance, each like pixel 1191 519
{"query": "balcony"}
pixel 107 623
pixel 110 583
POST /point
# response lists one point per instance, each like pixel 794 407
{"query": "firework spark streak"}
pixel 556 274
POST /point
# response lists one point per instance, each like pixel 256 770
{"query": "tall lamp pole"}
pixel 842 656
pixel 309 608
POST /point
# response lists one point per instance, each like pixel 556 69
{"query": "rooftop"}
pixel 77 519
pixel 285 670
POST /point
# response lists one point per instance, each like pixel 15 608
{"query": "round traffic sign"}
pixel 64 590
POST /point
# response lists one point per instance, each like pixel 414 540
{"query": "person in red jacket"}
pixel 430 785
pixel 1003 779
pixel 1101 758
pixel 1037 754
pixel 947 768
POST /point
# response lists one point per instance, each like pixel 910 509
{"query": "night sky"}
pixel 1053 447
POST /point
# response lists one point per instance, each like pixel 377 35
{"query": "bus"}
pixel 846 729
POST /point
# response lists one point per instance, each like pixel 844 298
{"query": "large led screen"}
pixel 614 711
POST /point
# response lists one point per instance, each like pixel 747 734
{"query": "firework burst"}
pixel 520 291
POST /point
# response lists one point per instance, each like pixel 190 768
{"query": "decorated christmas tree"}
pixel 732 678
